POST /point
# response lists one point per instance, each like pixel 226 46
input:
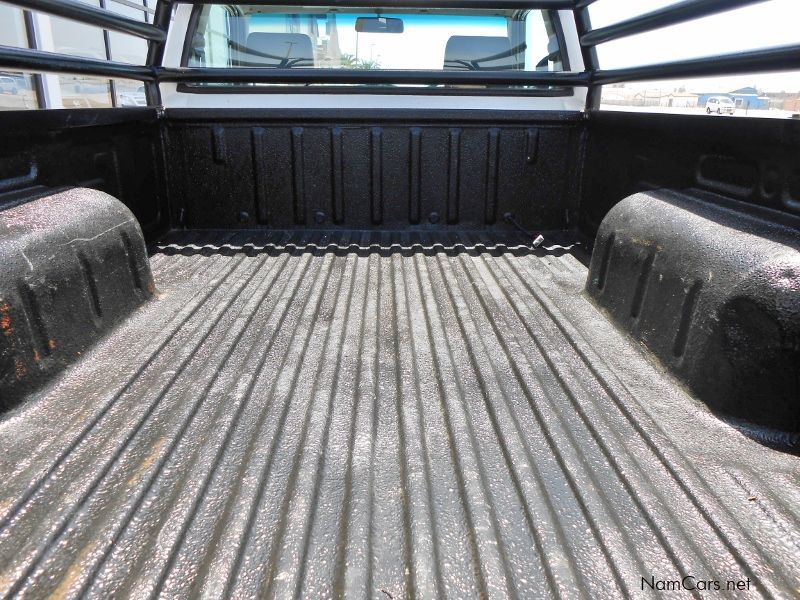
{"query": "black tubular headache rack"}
pixel 783 58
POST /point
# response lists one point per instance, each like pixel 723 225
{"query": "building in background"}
pixel 783 100
pixel 678 99
pixel 747 98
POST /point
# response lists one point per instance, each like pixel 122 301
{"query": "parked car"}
pixel 720 105
pixel 8 85
pixel 135 98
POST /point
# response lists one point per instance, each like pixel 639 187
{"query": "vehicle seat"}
pixel 553 54
pixel 284 50
pixel 475 52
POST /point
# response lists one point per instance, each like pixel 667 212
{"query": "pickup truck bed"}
pixel 380 414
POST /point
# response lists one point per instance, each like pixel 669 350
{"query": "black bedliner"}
pixel 379 414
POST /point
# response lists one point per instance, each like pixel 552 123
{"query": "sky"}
pixel 771 23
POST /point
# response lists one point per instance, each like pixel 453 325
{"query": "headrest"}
pixel 284 50
pixel 474 52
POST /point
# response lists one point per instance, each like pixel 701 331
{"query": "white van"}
pixel 8 85
pixel 720 105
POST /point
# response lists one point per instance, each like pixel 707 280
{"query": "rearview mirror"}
pixel 379 25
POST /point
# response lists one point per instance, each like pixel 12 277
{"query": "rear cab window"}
pixel 377 40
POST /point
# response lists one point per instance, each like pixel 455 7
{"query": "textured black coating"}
pixel 116 151
pixel 379 414
pixel 384 413
pixel 749 159
pixel 753 160
pixel 714 292
pixel 371 171
pixel 74 265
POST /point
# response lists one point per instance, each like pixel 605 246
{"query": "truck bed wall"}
pixel 238 169
pixel 116 151
pixel 753 160
pixel 451 172
pixel 398 169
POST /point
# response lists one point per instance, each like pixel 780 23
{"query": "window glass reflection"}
pixel 12 32
pixel 78 39
pixel 17 91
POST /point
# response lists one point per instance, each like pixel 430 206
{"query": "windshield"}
pixel 337 38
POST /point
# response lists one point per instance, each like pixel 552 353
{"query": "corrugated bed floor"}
pixel 382 416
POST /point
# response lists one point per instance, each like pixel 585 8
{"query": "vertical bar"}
pixel 38 82
pixel 155 50
pixel 298 176
pixel 112 86
pixel 259 175
pixel 152 93
pixel 32 309
pixel 414 175
pixel 641 285
pixel 687 313
pixel 492 171
pixel 337 180
pixel 454 176
pixel 93 294
pixel 43 40
pixel 583 25
pixel 531 145
pixel 376 160
pixel 218 148
pixel 605 261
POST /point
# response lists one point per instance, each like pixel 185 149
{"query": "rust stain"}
pixel 147 463
pixel 36 356
pixel 647 243
pixel 51 343
pixel 5 319
pixel 20 370
pixel 73 573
